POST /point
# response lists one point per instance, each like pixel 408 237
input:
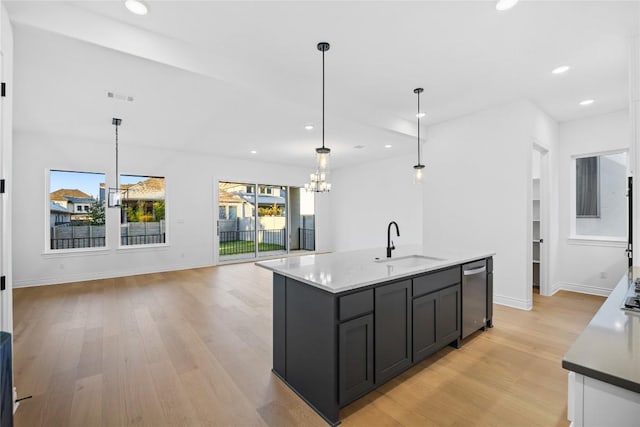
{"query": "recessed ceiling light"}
pixel 420 115
pixel 561 70
pixel 388 146
pixel 587 102
pixel 309 127
pixel 505 4
pixel 253 152
pixel 137 7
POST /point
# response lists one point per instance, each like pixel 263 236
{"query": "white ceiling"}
pixel 230 77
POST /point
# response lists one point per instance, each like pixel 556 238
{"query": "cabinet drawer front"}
pixel 355 304
pixel 432 282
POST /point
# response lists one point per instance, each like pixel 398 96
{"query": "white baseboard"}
pixel 512 302
pixel 97 275
pixel 580 288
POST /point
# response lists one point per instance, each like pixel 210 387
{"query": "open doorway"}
pixel 539 226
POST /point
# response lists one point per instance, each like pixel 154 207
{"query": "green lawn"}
pixel 235 247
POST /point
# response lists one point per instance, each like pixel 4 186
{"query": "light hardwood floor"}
pixel 193 348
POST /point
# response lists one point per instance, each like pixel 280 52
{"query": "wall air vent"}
pixel 119 96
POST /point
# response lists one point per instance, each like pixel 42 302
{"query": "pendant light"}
pixel 318 179
pixel 418 168
pixel 115 193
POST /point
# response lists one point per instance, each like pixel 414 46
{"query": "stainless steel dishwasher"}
pixel 474 297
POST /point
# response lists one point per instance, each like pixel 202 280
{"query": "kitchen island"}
pixel 604 364
pixel 345 323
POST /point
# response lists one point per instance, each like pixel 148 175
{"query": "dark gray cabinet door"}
pixel 425 312
pixel 490 299
pixel 355 347
pixel 449 316
pixel 392 330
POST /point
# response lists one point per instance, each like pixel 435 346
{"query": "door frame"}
pixel 545 196
pixel 256 253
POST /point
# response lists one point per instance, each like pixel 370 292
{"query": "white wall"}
pixel 6 144
pixel 367 197
pixel 582 264
pixel 477 195
pixel 191 181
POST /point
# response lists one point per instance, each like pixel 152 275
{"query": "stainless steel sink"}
pixel 410 261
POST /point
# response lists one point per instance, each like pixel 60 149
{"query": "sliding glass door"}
pixel 259 220
pixel 236 221
pixel 272 220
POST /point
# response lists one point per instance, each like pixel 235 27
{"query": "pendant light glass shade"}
pixel 418 174
pixel 322 158
pixel 318 180
pixel 418 168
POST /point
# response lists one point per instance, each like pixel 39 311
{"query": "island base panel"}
pixel 306 324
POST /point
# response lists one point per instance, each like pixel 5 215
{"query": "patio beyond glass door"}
pixel 236 221
pixel 272 220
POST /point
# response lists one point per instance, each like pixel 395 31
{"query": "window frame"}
pixel 47 218
pixel 587 239
pixel 120 246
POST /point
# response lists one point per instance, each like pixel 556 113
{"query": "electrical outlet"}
pixel 603 274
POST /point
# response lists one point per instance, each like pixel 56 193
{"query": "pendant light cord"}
pixel 418 115
pixel 323 99
pixel 117 183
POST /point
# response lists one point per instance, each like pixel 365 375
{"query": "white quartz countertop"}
pixel 609 348
pixel 343 271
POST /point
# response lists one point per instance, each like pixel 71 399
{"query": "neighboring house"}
pixel 75 201
pixel 59 214
pixel 238 200
pixel 231 206
pixel 141 194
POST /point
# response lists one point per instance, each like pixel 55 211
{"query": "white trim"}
pixel 613 242
pixel 75 252
pixel 143 246
pixel 98 275
pixel 215 236
pixel 583 289
pixel 601 153
pixel 512 302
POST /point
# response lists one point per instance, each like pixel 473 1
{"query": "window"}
pixel 587 187
pixel 77 214
pixel 233 212
pixel 600 195
pixel 222 212
pixel 142 213
pixel 263 189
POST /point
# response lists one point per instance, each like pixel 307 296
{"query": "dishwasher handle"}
pixel 474 271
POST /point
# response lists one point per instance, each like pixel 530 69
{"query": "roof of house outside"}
pixel 54 207
pixel 263 199
pixel 63 194
pixel 77 200
pixel 226 198
pixel 149 189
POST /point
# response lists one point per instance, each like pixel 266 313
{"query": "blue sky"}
pixel 88 183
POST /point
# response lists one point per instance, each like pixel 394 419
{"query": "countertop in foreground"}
pixel 343 271
pixel 609 348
